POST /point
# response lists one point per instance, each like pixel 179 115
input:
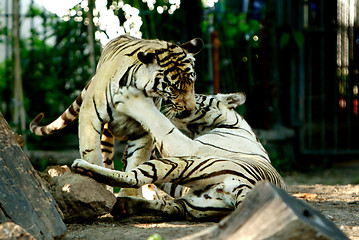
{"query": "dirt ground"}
pixel 334 192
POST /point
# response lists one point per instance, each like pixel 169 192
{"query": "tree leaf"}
pixel 298 38
pixel 284 39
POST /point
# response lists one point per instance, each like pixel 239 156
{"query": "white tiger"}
pixel 158 68
pixel 220 165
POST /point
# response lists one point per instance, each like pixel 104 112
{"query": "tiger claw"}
pixel 79 166
pixel 119 209
pixel 83 171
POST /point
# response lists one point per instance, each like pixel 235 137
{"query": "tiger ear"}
pixel 146 57
pixel 232 100
pixel 193 46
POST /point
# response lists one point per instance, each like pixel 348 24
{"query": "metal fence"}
pixel 325 95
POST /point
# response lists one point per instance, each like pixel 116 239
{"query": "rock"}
pixel 10 230
pixel 55 171
pixel 81 198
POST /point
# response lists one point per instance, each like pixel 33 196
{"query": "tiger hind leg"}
pixel 176 209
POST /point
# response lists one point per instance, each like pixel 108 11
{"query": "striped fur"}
pixel 220 165
pixel 161 70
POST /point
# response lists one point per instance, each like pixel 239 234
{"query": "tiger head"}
pixel 211 111
pixel 172 73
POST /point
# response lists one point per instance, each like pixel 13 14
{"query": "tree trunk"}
pixel 91 36
pixel 271 213
pixel 24 198
pixel 19 111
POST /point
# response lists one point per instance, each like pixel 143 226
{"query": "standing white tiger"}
pixel 220 165
pixel 158 68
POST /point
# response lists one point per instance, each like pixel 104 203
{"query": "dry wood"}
pixel 24 198
pixel 271 213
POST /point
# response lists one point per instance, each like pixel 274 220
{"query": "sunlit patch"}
pixel 66 188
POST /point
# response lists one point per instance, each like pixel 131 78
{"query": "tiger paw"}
pixel 127 94
pixel 129 100
pixel 82 167
pixel 124 207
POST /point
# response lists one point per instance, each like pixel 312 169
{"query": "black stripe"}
pixel 108 161
pixel 131 45
pixel 129 154
pixel 108 107
pixel 107 133
pixel 229 125
pixel 135 172
pixel 79 100
pixel 65 119
pixel 171 69
pixel 124 78
pixel 107 144
pixel 87 151
pixel 97 113
pixel 211 163
pixel 170 131
pixel 153 166
pixel 133 75
pixel 168 162
pixel 252 172
pixel 145 173
pixel 156 82
pixel 106 150
pixel 173 190
pixel 219 133
pixel 228 150
pixel 189 163
pixel 72 111
pixel 199 117
pixel 218 173
pixel 110 91
pixel 119 48
pixel 198 166
pixel 133 52
pixel 99 132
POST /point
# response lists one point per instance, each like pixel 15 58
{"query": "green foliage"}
pixel 55 68
pixel 284 39
pixel 296 36
pixel 155 236
pixel 237 25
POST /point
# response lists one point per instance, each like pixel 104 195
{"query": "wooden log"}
pixel 24 198
pixel 269 212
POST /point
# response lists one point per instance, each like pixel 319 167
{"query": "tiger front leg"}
pixel 90 131
pixel 107 176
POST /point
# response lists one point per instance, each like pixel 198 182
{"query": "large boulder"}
pixel 80 198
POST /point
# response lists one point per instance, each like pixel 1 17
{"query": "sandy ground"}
pixel 334 192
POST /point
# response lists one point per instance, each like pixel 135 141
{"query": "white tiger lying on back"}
pixel 221 165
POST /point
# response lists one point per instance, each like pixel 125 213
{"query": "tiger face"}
pixel 174 73
pixel 209 112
